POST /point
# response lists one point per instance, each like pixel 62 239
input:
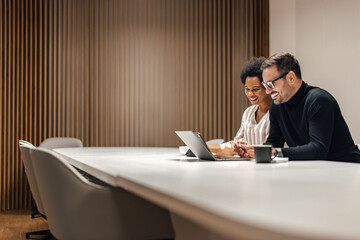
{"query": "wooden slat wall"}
pixel 121 73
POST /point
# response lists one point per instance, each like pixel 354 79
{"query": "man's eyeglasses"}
pixel 270 84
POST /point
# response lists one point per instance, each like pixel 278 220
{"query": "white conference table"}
pixel 236 199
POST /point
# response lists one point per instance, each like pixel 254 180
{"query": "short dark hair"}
pixel 284 62
pixel 252 69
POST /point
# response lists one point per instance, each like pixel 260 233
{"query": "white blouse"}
pixel 255 133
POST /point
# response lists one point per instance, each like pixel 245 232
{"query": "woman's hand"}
pixel 226 151
pixel 241 147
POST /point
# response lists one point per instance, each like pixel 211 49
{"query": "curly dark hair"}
pixel 252 69
pixel 284 62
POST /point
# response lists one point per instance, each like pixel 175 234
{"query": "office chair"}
pixel 25 149
pixel 60 142
pixel 34 211
pixel 68 142
pixel 79 209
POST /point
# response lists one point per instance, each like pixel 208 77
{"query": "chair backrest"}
pixel 78 209
pixel 215 141
pixel 26 143
pixel 61 142
pixel 25 155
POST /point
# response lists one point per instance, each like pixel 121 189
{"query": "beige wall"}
pixel 325 37
pixel 282 26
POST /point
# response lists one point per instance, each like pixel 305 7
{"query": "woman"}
pixel 255 122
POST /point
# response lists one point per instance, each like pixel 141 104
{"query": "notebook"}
pixel 198 146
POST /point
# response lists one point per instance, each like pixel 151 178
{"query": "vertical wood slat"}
pixel 7 106
pixel 2 59
pixel 19 185
pixel 121 73
pixel 12 102
pixel 22 188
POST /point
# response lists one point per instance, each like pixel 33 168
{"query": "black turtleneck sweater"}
pixel 313 127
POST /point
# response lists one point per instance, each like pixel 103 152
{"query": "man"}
pixel 307 118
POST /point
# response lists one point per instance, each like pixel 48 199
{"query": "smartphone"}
pixel 239 145
pixel 242 146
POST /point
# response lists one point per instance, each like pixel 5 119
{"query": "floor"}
pixel 15 223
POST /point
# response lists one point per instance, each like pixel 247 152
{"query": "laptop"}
pixel 198 146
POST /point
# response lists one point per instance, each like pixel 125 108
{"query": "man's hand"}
pixel 250 151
